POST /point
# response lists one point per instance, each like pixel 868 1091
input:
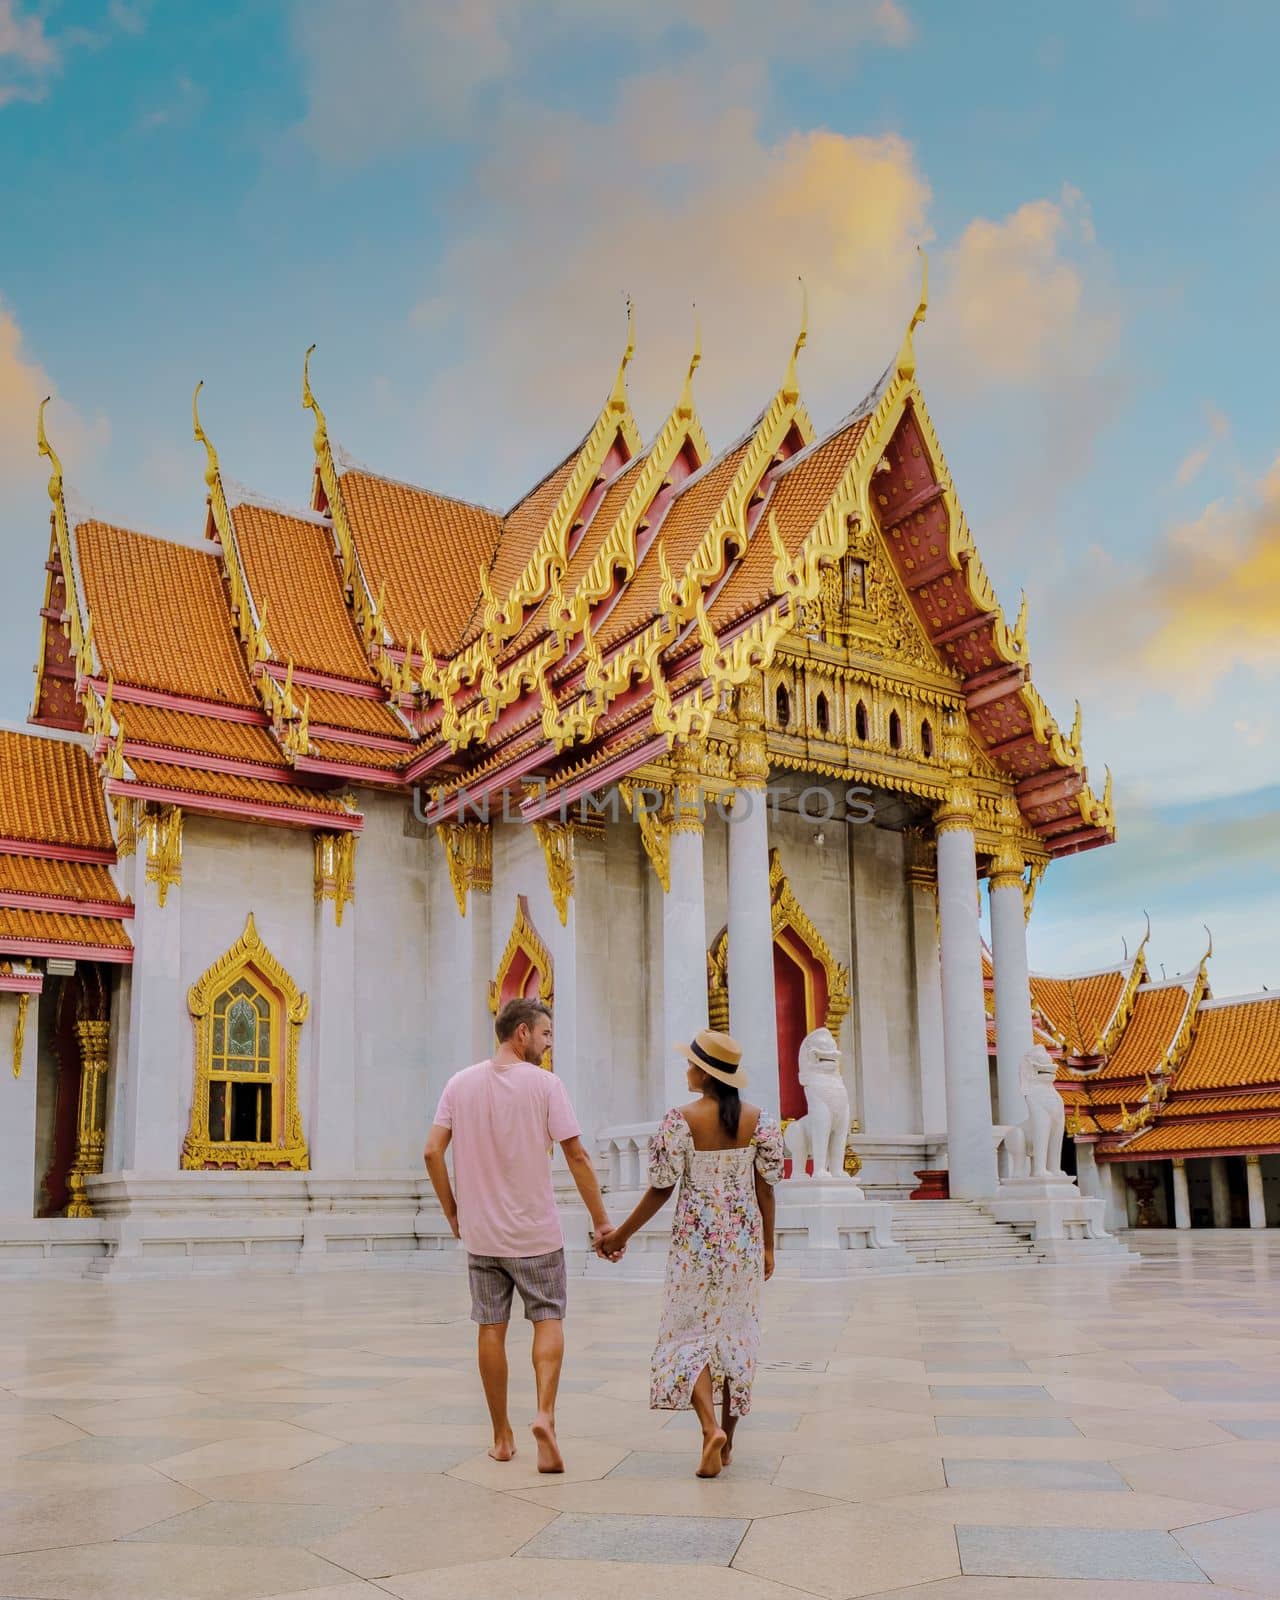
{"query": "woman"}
pixel 726 1157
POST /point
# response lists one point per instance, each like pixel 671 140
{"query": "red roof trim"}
pixel 20 900
pixel 130 694
pixel 58 852
pixel 223 806
pixel 86 952
pixel 21 982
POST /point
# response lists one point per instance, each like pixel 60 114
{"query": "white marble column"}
pixel 1012 984
pixel 1181 1196
pixel 1220 1191
pixel 1111 1188
pixel 1257 1197
pixel 1087 1171
pixel 157 1099
pixel 684 930
pixel 18 1104
pixel 753 1018
pixel 334 1104
pixel 970 1149
pixel 923 889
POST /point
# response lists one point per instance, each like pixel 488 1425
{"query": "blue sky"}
pixel 452 199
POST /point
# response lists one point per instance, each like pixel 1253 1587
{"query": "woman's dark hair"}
pixel 730 1104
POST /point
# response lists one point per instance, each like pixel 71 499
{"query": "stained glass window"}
pixel 241 1069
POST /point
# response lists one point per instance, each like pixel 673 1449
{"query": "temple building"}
pixel 683 735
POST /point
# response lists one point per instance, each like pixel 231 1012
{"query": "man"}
pixel 502 1116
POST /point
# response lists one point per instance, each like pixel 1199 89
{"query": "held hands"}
pixel 609 1243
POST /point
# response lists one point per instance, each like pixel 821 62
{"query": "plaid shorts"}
pixel 540 1280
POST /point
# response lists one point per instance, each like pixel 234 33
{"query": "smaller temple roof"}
pixel 1147 1043
pixel 1080 1009
pixel 50 794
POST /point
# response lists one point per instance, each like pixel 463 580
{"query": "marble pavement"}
pixel 1046 1433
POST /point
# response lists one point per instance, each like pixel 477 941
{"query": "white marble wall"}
pixel 19 1177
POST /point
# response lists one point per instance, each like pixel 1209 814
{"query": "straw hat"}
pixel 718 1056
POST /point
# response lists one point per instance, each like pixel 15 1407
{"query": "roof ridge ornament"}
pixel 618 394
pixel 47 450
pixel 684 405
pixel 213 469
pixel 790 384
pixel 906 362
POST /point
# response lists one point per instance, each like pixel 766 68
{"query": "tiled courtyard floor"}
pixel 1039 1434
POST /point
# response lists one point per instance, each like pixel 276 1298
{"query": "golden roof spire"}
pixel 618 394
pixel 212 470
pixel 906 353
pixel 310 403
pixel 684 406
pixel 790 385
pixel 1020 626
pixel 46 449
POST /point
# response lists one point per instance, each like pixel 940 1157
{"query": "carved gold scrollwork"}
pixel 162 831
pixel 556 840
pixel 526 946
pixel 468 853
pixel 655 830
pixel 20 1033
pixel 94 1037
pixel 335 871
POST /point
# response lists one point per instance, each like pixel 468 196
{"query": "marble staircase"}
pixel 961 1233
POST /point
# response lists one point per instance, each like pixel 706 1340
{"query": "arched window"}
pixel 782 705
pixel 860 722
pixel 248 1014
pixel 926 738
pixel 821 715
pixel 895 731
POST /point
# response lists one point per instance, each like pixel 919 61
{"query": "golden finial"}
pixel 201 437
pixel 907 354
pixel 1020 627
pixel 288 689
pixel 684 407
pixel 790 384
pixel 1209 951
pixel 1076 728
pixel 304 722
pixel 46 449
pixel 667 591
pixel 618 395
pixel 309 402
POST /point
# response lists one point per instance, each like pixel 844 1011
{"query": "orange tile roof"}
pixel 1158 1013
pixel 1201 1105
pixel 160 615
pixel 352 712
pixel 802 490
pixel 64 880
pixel 57 927
pixel 1234 1044
pixel 219 785
pixel 360 754
pixel 690 515
pixel 180 730
pixel 290 565
pixel 525 523
pixel 427 549
pixel 1179 1135
pixel 49 793
pixel 1078 1009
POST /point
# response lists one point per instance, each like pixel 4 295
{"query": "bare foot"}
pixel 503 1449
pixel 726 1455
pixel 713 1444
pixel 544 1433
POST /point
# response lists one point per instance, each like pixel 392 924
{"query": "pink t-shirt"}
pixel 503 1119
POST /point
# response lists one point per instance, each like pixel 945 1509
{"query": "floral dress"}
pixel 710 1313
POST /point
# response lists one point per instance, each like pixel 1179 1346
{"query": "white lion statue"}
pixel 824 1131
pixel 1035 1146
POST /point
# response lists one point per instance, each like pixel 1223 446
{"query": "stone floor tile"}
pixel 45 1518
pixel 258 1454
pixel 861 1474
pixel 690 1496
pixel 1173 1432
pixel 1253 1427
pixel 1242 1550
pixel 128 1571
pixel 1053 1508
pixel 114 1450
pixel 586 1459
pixel 1081 1552
pixel 1243 1476
pixel 229 1523
pixel 747 1467
pixel 1025 1474
pixel 458 1522
pixel 1010 1427
pixel 533 1578
pixel 1228 1392
pixel 960 1364
pixel 848 1550
pixel 672 1540
pixel 992 1394
pixel 1053 1589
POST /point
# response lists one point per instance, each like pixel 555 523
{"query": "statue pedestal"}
pixel 826 1227
pixel 1066 1223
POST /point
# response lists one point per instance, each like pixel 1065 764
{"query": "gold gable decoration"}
pixel 523 940
pixel 249 957
pixel 787 913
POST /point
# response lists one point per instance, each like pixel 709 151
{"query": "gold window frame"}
pixel 288 1006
